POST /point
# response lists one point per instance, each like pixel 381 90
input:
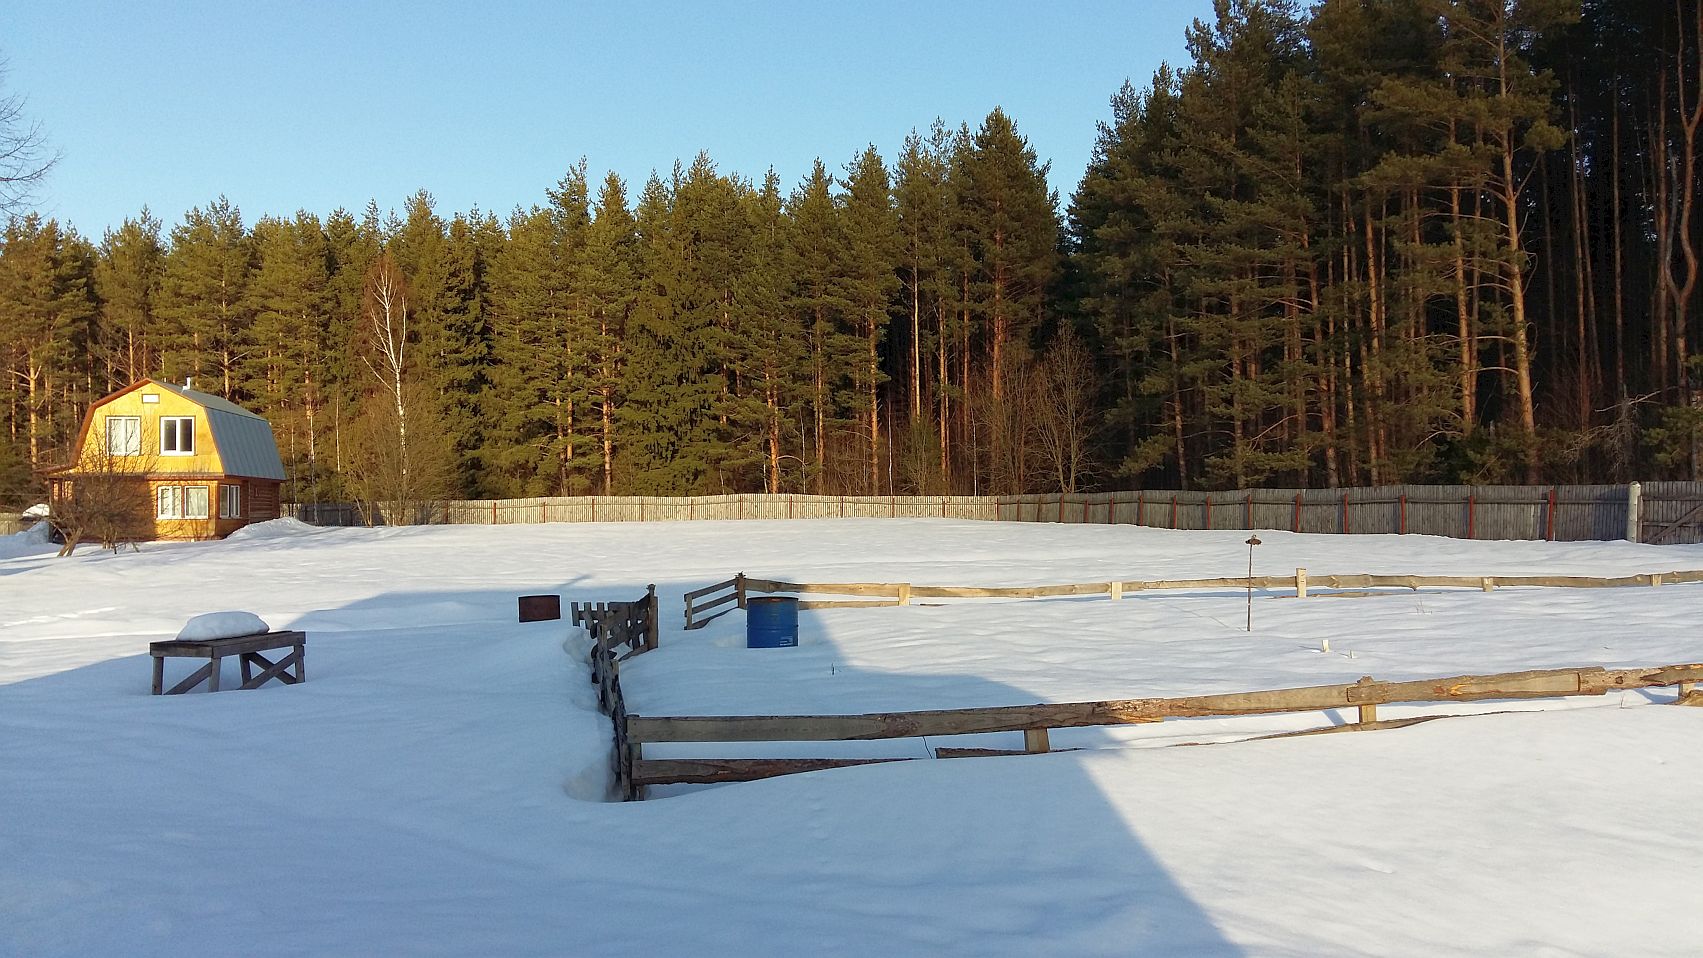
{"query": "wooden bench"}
pixel 248 648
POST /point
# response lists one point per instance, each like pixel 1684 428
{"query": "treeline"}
pixel 1368 241
pixel 1404 240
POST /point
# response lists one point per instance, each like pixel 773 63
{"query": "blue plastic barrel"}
pixel 771 622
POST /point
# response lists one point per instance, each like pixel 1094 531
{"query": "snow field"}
pixel 432 788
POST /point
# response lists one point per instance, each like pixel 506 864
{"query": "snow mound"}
pixel 274 529
pixel 222 625
pixel 31 541
pixel 37 511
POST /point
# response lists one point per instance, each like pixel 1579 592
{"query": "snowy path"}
pixel 424 792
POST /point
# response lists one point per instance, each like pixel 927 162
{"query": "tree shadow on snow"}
pixel 1027 848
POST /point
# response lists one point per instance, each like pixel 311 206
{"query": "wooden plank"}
pixel 847 603
pixel 714 603
pixel 808 728
pixel 195 678
pixel 989 752
pixel 709 771
pixel 706 590
pixel 889 589
pixel 273 670
pixel 207 648
pixel 1011 592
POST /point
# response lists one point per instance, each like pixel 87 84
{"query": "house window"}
pixel 230 502
pixel 177 435
pixel 181 502
pixel 123 435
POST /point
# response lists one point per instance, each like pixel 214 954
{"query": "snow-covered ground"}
pixel 435 786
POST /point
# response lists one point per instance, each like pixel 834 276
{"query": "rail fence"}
pixel 611 625
pixel 1658 512
pixel 1035 721
pixel 732 593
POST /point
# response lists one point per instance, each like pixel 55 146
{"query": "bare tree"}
pixel 1062 410
pixel 105 497
pixel 25 157
pixel 384 349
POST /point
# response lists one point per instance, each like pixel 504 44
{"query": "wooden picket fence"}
pixel 733 592
pixel 1035 721
pixel 613 625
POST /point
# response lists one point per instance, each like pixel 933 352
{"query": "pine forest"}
pixel 1352 243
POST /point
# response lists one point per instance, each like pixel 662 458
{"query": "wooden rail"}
pixel 902 593
pixel 1035 720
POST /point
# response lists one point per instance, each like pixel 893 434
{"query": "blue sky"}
pixel 316 105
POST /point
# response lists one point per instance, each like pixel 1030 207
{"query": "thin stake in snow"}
pixel 1253 540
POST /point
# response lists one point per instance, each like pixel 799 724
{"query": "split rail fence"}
pixel 732 593
pixel 1035 721
pixel 1658 512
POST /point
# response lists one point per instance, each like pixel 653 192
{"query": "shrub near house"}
pixel 159 461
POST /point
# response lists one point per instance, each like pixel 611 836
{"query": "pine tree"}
pixel 868 285
pixel 127 279
pixel 202 298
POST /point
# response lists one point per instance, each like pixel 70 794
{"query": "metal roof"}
pixel 244 440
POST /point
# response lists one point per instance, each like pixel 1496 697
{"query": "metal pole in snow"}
pixel 1253 540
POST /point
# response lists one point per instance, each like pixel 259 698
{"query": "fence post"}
pixel 1140 507
pixel 1549 517
pixel 1345 513
pixel 1297 512
pixel 1209 510
pixel 1116 589
pixel 1401 529
pixel 1634 523
pixel 653 627
pixel 1173 512
pixel 1035 740
pixel 739 588
pixel 1300 583
pixel 1368 713
pixel 493 512
pixel 1471 516
pixel 904 593
pixel 1248 514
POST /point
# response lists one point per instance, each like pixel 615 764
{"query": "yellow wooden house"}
pixel 205 465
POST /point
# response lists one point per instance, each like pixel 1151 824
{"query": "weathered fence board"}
pixel 1547 683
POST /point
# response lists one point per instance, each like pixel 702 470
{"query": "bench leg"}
pixel 301 662
pixel 279 670
pixel 213 677
pixel 159 675
pixel 246 659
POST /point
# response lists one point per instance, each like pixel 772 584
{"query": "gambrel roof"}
pixel 244 440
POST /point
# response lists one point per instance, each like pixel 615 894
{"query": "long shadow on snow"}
pixel 1052 860
pixel 400 705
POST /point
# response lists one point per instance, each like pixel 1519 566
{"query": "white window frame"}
pixel 131 448
pixel 178 502
pixel 177 435
pixel 230 501
pixel 193 509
